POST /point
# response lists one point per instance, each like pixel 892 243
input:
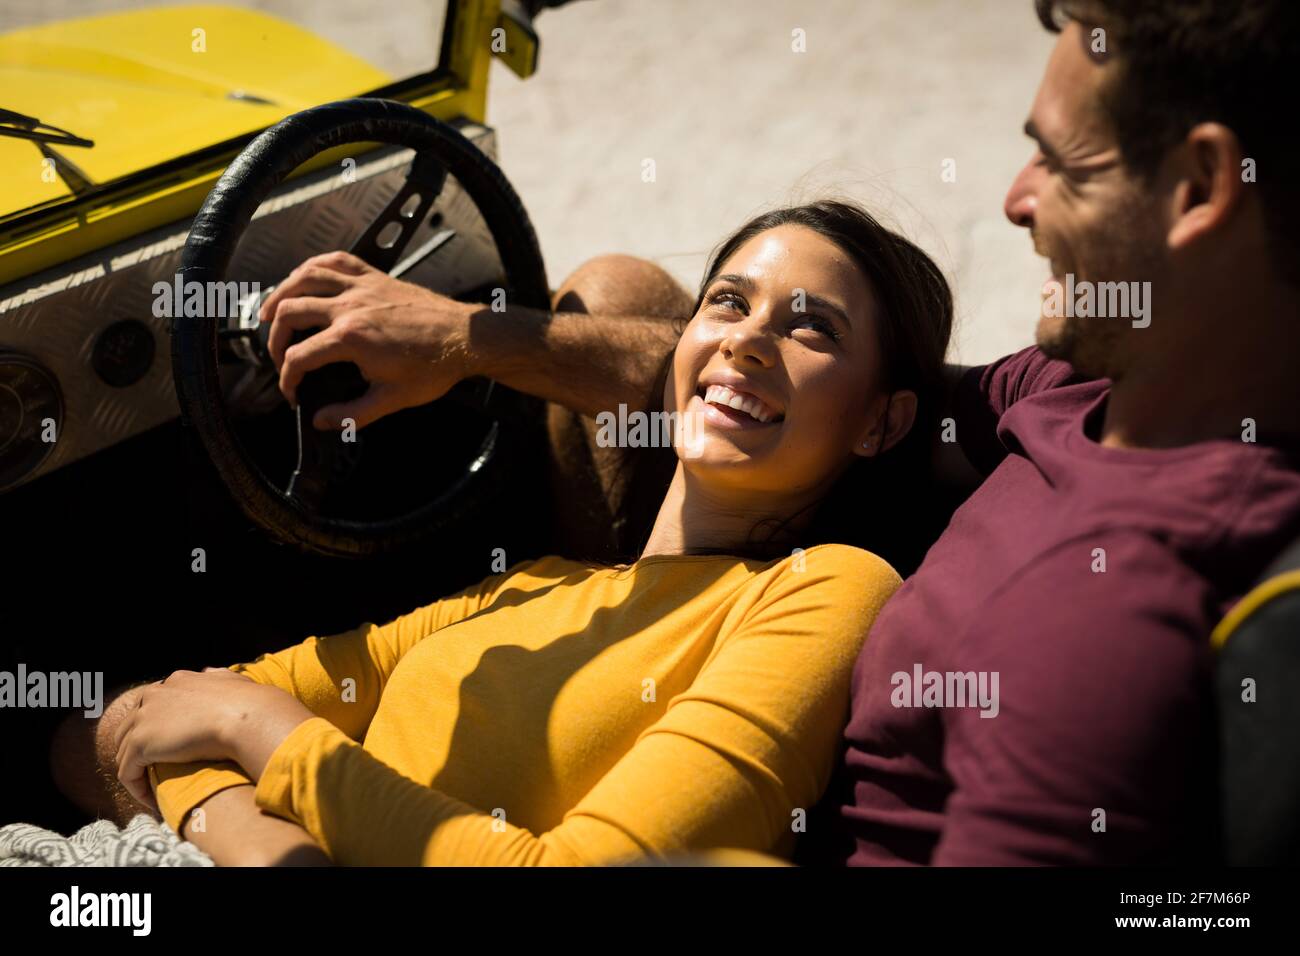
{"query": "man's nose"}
pixel 1022 198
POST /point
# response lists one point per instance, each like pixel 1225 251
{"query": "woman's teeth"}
pixel 722 395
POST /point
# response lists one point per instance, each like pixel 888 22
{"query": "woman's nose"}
pixel 750 340
pixel 1022 198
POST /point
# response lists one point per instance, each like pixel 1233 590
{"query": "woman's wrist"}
pixel 257 751
pixel 252 730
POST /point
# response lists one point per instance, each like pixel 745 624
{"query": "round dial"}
pixel 31 416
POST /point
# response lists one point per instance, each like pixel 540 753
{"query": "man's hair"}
pixel 1183 62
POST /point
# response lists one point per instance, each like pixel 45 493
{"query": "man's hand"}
pixel 411 345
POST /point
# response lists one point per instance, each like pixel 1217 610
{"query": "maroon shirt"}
pixel 1103 677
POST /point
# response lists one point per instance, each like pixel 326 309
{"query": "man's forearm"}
pixel 589 363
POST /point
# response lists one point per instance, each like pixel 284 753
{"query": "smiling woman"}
pixel 563 712
pixel 815 356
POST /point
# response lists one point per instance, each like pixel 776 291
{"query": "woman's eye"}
pixel 726 300
pixel 819 325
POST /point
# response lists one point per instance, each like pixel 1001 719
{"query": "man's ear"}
pixel 888 426
pixel 1209 187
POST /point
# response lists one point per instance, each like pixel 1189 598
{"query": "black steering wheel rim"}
pixel 213 238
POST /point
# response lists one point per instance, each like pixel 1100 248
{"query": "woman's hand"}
pixel 213 715
pixel 410 344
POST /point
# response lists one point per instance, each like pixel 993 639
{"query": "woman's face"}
pixel 787 332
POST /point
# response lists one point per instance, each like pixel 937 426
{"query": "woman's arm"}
pixel 234 832
pixel 729 763
pixel 339 678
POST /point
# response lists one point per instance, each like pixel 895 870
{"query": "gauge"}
pixel 31 416
pixel 123 353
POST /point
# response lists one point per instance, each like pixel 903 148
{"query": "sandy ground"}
pixel 737 122
pixel 885 93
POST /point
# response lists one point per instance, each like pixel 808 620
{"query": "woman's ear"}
pixel 888 426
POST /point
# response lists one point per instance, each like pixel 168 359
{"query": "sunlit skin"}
pixel 1086 213
pixel 1220 345
pixel 816 371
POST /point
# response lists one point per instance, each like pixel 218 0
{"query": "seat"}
pixel 1258 647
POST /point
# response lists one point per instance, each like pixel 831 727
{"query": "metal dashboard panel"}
pixel 56 317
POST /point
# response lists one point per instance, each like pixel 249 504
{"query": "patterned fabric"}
pixel 143 842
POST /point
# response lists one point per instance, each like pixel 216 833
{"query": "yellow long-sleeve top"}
pixel 563 714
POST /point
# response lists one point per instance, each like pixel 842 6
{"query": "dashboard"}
pixel 85 363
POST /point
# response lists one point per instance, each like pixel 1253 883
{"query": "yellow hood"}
pixel 147 87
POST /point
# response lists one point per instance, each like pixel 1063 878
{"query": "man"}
pixel 1038 692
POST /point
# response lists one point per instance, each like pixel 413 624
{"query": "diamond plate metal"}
pixel 56 316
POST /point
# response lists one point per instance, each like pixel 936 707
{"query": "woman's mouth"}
pixel 727 407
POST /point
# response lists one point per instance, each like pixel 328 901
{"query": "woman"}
pixel 565 713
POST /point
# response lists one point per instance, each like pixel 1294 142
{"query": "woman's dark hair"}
pixel 883 503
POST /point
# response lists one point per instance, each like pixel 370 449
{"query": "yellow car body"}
pixel 113 78
pixel 166 117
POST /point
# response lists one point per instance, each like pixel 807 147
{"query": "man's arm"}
pixel 588 363
pixel 412 345
pixel 951 466
pixel 966 447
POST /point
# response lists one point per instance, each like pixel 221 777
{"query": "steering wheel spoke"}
pixel 382 244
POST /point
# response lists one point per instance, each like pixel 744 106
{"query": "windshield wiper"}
pixel 29 127
pixel 18 126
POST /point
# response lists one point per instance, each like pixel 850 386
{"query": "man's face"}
pixel 1087 214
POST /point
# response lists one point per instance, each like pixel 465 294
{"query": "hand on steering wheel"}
pixel 382 345
pixel 410 344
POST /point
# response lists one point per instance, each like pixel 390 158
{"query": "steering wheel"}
pixel 300 513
